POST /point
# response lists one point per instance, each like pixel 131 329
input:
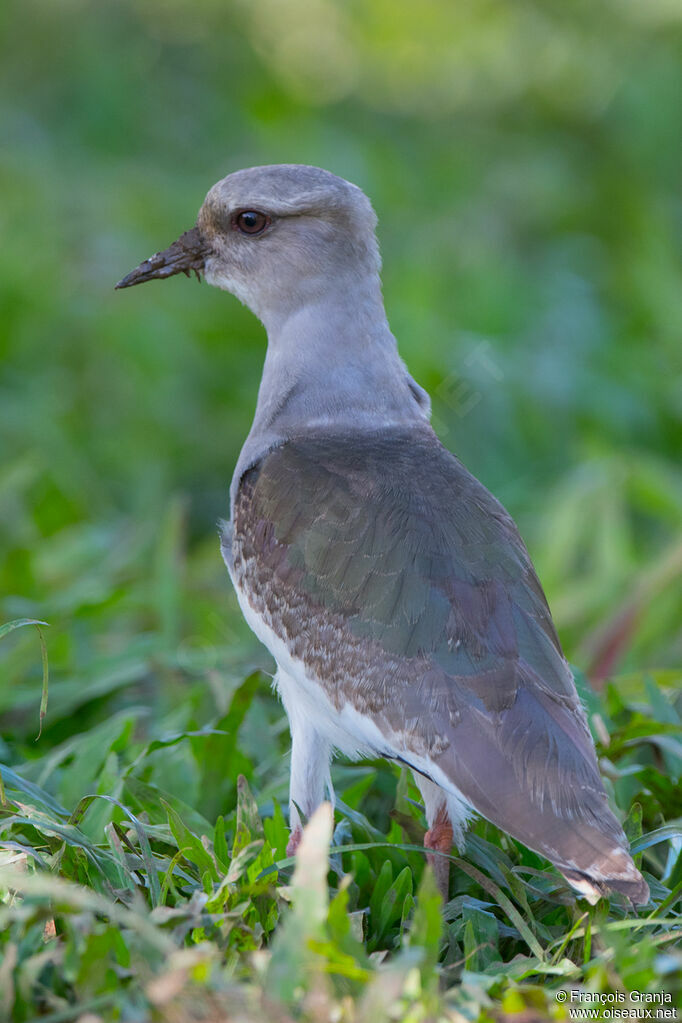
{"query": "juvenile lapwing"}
pixel 392 589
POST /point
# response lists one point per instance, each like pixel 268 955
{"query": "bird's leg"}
pixel 439 838
pixel 294 840
pixel 310 756
pixel 439 835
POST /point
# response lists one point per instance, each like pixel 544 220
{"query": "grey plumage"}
pixel 405 589
pixel 393 590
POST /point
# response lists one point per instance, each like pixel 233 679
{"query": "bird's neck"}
pixel 332 364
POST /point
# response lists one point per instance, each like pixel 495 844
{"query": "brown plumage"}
pixel 405 590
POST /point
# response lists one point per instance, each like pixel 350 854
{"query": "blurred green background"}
pixel 524 160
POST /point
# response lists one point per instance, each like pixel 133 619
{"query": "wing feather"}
pixel 407 591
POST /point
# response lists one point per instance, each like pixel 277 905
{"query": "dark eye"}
pixel 251 221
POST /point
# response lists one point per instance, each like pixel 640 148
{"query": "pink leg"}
pixel 439 838
pixel 294 840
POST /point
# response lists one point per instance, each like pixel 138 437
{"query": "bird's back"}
pixel 405 591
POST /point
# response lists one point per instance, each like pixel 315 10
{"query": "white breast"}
pixel 352 733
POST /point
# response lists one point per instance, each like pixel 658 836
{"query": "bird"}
pixel 391 587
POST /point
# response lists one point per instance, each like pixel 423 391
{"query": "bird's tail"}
pixel 616 872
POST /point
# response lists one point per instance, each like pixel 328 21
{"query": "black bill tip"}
pixel 185 255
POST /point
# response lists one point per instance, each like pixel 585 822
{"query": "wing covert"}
pixel 406 590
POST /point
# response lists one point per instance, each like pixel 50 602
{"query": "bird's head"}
pixel 275 237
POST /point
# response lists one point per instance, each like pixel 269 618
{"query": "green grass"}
pixel 524 163
pixel 143 872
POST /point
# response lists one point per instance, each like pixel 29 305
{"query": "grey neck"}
pixel 332 364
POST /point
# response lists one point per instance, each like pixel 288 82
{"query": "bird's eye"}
pixel 251 221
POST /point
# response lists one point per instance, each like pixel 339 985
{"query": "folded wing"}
pixel 406 590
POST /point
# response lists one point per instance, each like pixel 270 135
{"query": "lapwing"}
pixel 392 589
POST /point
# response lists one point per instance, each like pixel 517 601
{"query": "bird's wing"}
pixel 406 590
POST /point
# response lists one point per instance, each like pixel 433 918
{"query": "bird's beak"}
pixel 188 253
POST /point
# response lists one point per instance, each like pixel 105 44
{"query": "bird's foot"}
pixel 439 838
pixel 294 840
